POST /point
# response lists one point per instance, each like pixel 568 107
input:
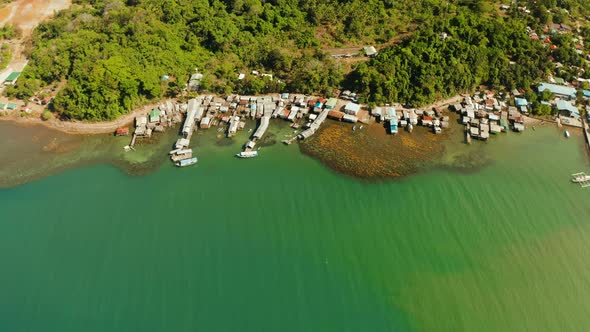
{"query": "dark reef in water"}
pixel 371 153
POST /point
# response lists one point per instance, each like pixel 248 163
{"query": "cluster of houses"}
pixel 408 118
pixel 229 114
pixel 158 119
pixel 484 117
pixel 488 115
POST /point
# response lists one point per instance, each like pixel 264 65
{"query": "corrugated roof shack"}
pixel 335 115
pixel 233 126
pixel 352 108
pixel 191 114
pixel 331 103
pixel 122 131
pixel 264 121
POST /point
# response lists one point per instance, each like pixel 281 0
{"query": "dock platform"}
pixel 586 129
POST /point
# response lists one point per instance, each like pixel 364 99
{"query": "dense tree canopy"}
pixel 453 55
pixel 109 56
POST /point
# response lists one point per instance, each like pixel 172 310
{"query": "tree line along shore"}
pixel 103 59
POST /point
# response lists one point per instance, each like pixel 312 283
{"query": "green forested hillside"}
pixel 112 54
pixel 454 55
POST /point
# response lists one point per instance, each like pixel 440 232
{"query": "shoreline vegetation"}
pixel 102 59
pixel 110 126
pixel 93 63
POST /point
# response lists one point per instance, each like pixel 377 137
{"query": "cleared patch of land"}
pixel 25 15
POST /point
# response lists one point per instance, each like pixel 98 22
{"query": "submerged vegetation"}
pixel 115 55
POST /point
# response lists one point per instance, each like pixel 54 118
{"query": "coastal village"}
pixel 483 114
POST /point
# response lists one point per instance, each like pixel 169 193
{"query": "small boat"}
pixel 409 127
pixel 247 154
pixel 567 134
pixel 250 130
pixel 186 162
pixel 361 127
pixel 580 177
pixel 353 128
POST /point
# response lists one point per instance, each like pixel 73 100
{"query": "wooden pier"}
pixel 586 129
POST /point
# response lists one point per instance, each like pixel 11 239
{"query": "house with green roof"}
pixel 331 103
pixel 12 78
pixel 155 115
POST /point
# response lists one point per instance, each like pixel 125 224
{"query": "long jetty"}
pixel 586 129
pixel 315 125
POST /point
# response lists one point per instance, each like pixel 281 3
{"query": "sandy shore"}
pixel 104 127
pixel 79 127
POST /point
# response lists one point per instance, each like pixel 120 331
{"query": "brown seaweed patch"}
pixel 371 153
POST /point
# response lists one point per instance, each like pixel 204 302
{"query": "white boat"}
pixel 567 134
pixel 186 162
pixel 580 178
pixel 247 154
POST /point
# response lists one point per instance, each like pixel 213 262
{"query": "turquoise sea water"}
pixel 280 243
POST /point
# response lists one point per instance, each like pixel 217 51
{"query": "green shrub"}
pixel 46 115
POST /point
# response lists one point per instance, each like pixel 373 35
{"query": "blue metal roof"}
pixel 563 105
pixel 558 89
pixel 520 102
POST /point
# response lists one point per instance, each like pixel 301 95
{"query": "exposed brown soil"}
pixel 27 14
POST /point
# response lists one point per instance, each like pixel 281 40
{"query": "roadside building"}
pixel 558 90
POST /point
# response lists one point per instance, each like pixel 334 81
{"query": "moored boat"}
pixel 186 162
pixel 247 154
pixel 580 177
pixel 567 134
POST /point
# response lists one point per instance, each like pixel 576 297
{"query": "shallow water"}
pixel 280 243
